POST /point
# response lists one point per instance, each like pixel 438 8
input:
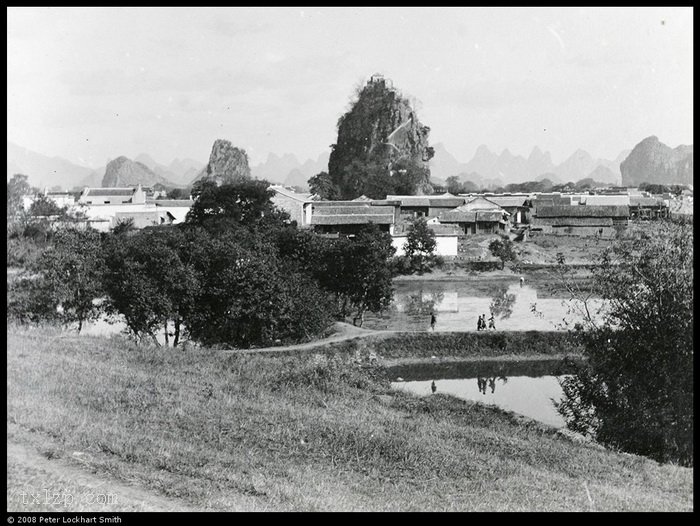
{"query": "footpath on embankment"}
pixel 389 347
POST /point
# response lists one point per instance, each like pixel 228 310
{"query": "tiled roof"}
pixel 471 216
pixel 358 209
pixel 437 228
pixel 446 201
pixel 576 221
pixel 174 202
pixel 509 200
pixel 110 191
pixel 645 201
pixel 290 193
pixel 352 219
pixel 582 211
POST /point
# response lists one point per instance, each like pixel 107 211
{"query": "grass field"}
pixel 163 428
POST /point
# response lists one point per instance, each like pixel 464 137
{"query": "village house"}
pixel 580 220
pixel 519 206
pixel 175 209
pixel 297 205
pixel 112 196
pixel 478 216
pixel 428 206
pixel 446 238
pixel 347 217
pixel 642 207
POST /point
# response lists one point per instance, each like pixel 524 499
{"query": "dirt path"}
pixel 40 484
pixel 347 332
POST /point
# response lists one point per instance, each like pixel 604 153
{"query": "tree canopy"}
pixel 636 389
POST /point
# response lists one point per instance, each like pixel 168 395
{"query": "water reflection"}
pixel 502 303
pixel 527 387
pixel 529 396
pixel 481 383
pixel 458 305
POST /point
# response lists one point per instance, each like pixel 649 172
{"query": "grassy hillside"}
pixel 306 432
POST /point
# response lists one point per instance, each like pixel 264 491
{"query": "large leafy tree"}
pixel 248 297
pixel 150 280
pixel 67 279
pixel 17 187
pixel 357 272
pixel 244 204
pixel 420 246
pixel 503 249
pixel 636 390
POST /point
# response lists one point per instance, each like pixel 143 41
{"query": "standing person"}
pixel 522 280
pixel 433 387
pixel 492 323
pixel 483 322
pixel 433 321
pixel 478 324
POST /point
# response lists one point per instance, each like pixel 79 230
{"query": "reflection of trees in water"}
pixel 417 306
pixel 502 303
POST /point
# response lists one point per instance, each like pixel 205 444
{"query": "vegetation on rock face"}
pixel 636 392
pixel 381 149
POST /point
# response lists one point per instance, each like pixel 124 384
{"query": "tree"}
pixel 420 246
pixel 42 206
pixel 246 203
pixel 502 248
pixel 248 297
pixel 150 281
pixel 17 187
pixel 178 193
pixel 323 186
pixel 70 275
pixel 358 272
pixel 635 391
pixel 454 186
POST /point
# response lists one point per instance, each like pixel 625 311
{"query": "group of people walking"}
pixel 481 323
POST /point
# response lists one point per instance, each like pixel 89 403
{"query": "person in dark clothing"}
pixel 433 320
pixel 492 323
pixel 433 387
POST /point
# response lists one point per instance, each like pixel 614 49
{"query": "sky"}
pixel 91 84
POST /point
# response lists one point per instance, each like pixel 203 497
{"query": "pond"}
pixel 457 306
pixel 525 387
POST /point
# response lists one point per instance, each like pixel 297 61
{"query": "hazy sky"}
pixel 90 84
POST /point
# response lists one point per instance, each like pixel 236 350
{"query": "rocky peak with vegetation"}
pixel 651 161
pixel 227 164
pixel 382 146
pixel 123 172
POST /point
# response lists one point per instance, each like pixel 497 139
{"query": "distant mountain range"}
pixel 488 169
pixel 123 172
pixel 288 170
pixel 651 161
pixel 180 171
pixel 43 170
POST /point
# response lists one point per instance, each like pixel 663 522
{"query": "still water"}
pixel 526 388
pixel 459 304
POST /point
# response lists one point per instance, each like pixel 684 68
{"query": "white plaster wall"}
pixel 445 245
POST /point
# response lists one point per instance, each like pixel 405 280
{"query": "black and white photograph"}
pixel 259 259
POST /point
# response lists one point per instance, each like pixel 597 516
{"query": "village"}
pixel 454 219
pixel 349 259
